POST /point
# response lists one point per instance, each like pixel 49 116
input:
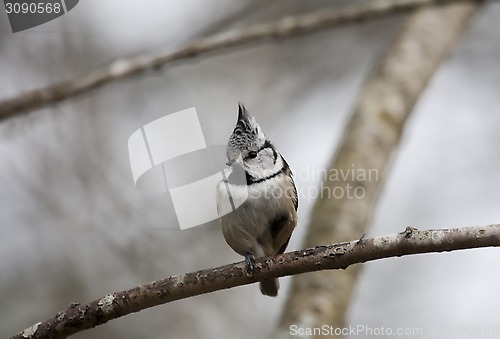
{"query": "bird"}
pixel 261 181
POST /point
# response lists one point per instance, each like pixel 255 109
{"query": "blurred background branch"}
pixel 369 143
pixel 284 28
pixel 338 256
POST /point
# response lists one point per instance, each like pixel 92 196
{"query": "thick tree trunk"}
pixel 370 139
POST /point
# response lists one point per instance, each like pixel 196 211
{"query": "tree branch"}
pixel 78 317
pixel 285 28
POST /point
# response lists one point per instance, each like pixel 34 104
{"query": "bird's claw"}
pixel 250 264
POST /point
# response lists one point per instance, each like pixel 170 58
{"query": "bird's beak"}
pixel 230 162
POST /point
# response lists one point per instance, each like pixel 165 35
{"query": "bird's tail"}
pixel 270 287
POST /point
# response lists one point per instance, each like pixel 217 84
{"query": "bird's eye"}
pixel 252 154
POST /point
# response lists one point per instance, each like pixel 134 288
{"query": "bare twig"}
pixel 124 68
pixel 368 144
pixel 78 317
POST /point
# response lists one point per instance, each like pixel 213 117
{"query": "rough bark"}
pixel 77 317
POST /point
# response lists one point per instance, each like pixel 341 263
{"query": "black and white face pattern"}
pixel 249 148
pixel 264 162
pixel 247 138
